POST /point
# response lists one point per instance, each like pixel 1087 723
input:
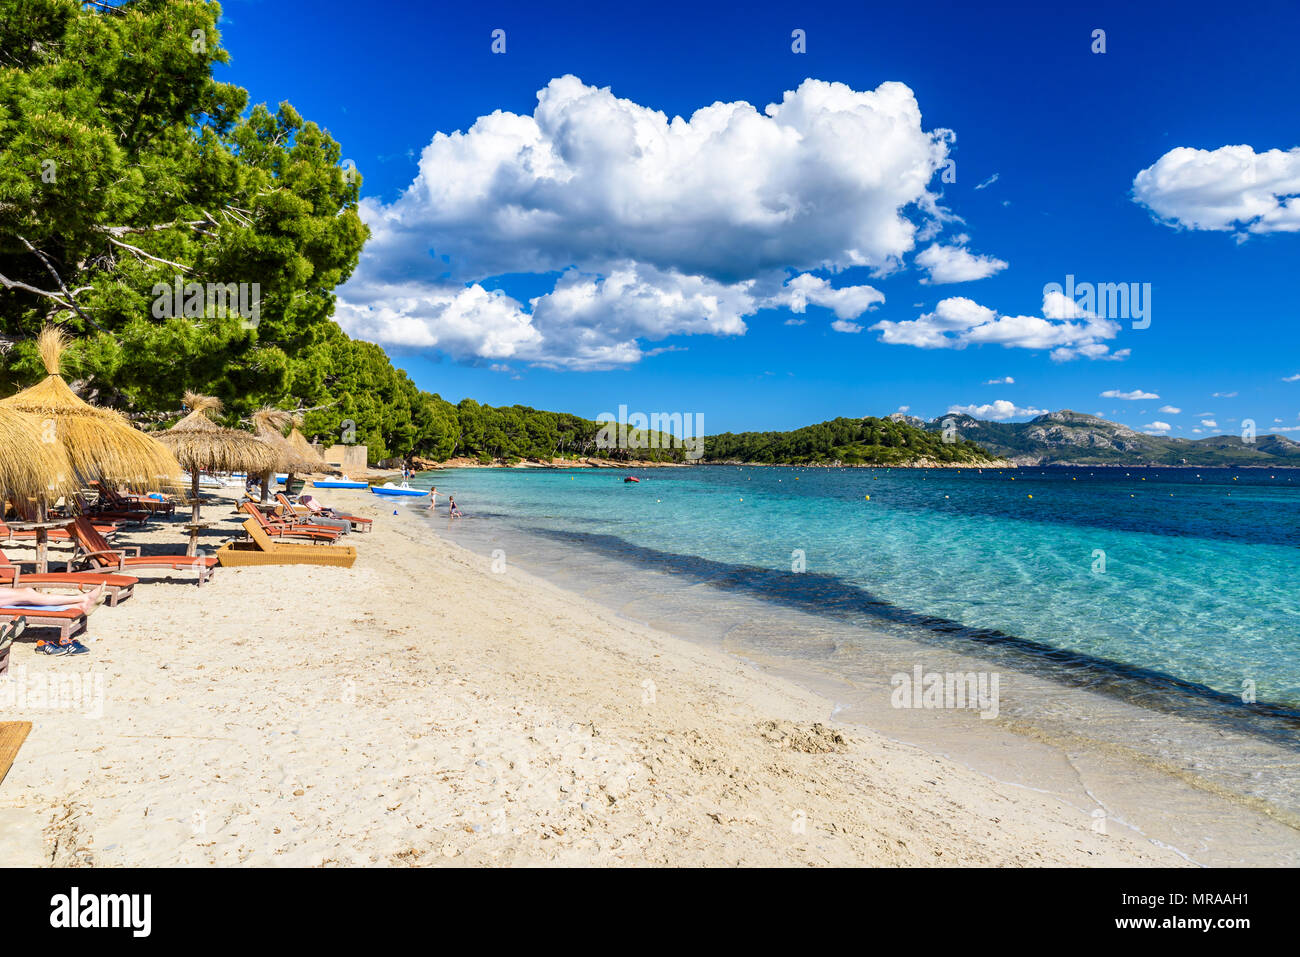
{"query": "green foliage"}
pixel 866 441
pixel 124 166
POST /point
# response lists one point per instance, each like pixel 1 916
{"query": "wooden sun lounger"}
pixel 116 500
pixel 69 622
pixel 316 533
pixel 303 513
pixel 117 587
pixel 260 550
pixel 99 555
pixel 51 534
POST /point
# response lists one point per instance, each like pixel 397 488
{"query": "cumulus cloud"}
pixel 958 322
pixel 946 264
pixel 1209 423
pixel 1231 188
pixel 997 410
pixel 1156 428
pixel 1005 380
pixel 1130 396
pixel 848 302
pixel 1292 378
pixel 1169 409
pixel 635 213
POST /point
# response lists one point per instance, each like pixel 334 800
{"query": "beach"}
pixel 423 709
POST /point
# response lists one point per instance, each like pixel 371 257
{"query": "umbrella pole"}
pixel 42 536
pixel 193 548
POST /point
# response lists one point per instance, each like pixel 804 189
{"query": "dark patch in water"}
pixel 831 596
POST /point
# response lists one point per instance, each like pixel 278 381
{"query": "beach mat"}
pixel 12 736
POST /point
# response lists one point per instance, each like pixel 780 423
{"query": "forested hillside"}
pixel 866 441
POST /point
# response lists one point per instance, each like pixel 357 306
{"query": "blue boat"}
pixel 391 489
pixel 339 484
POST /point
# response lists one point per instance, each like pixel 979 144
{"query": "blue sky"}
pixel 658 248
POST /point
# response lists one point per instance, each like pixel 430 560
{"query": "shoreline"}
pixel 1052 727
pixel 423 708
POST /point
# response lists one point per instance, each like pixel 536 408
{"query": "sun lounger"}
pixel 102 512
pixel 69 621
pixel 261 550
pixel 117 587
pixel 97 554
pixel 9 630
pixel 114 499
pixel 359 524
pixel 51 534
pixel 282 529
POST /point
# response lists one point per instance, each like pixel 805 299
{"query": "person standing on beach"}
pixel 433 498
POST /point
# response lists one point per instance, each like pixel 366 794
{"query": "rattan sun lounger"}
pixel 260 550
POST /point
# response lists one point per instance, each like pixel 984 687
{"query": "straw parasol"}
pixel 309 451
pixel 199 443
pixel 269 424
pixel 30 467
pixel 97 442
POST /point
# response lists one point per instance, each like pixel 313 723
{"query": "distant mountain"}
pixel 1075 438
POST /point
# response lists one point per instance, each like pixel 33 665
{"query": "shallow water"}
pixel 1126 612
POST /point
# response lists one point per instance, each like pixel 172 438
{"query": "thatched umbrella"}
pixel 199 443
pixel 98 442
pixel 269 423
pixel 309 451
pixel 30 467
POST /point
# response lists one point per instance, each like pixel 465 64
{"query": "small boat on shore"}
pixel 388 488
pixel 343 483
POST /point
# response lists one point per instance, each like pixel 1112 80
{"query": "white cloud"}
pixel 1156 428
pixel 843 325
pixel 1231 188
pixel 988 182
pixel 1130 396
pixel 958 322
pixel 1171 410
pixel 848 302
pixel 947 264
pixel 1292 378
pixel 1223 395
pixel 654 225
pixel 997 410
pixel 1005 380
pixel 1209 423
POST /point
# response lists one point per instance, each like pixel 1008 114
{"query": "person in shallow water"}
pixel 452 510
pixel 433 498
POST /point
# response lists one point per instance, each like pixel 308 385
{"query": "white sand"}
pixel 422 709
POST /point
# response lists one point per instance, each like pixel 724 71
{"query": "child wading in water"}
pixel 452 510
pixel 433 498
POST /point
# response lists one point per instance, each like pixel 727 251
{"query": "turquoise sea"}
pixel 1171 592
